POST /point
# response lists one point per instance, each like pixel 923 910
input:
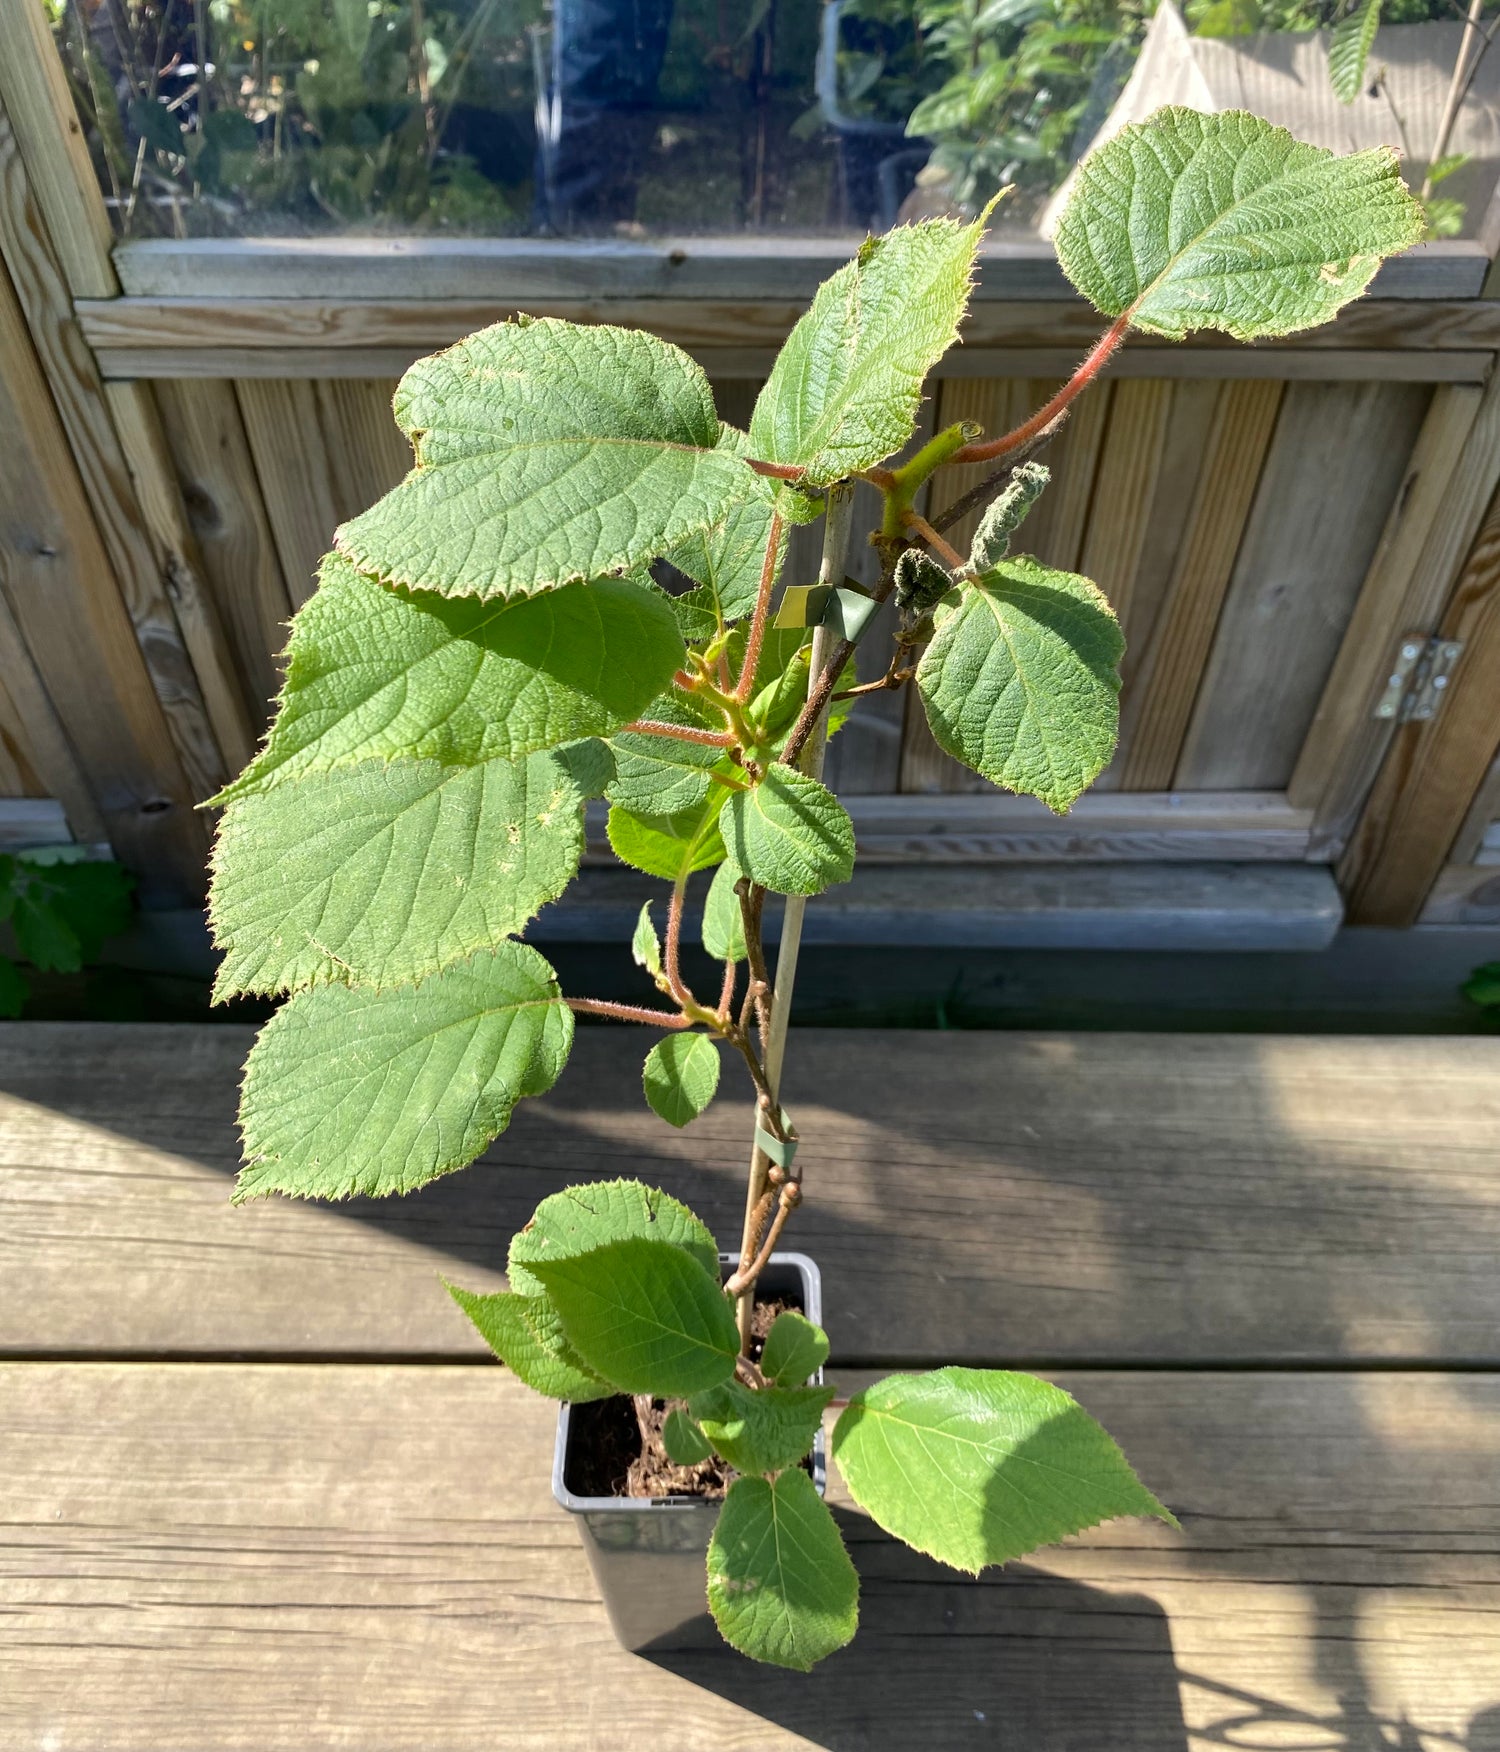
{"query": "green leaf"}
pixel 14 990
pixel 1349 50
pixel 664 775
pixel 795 1349
pixel 670 846
pixel 43 935
pixel 582 1218
pixel 1021 680
pixel 726 559
pixel 645 1315
pixel 723 918
pixel 978 1466
pixel 547 452
pixel 780 1583
pixel 501 1322
pixel 91 895
pixel 381 874
pixel 379 672
pixel 1189 221
pixel 1483 985
pixel 349 1090
pixel 761 1429
pixel 845 389
pixel 645 945
pixel 681 1077
pixel 1005 515
pixel 684 1442
pixel 790 833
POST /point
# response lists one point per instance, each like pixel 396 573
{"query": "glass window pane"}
pixel 641 118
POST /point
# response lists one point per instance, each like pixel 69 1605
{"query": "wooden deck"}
pixel 260 1488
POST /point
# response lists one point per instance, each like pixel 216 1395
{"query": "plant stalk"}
pixel 837 526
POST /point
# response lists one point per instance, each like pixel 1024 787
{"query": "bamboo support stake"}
pixel 838 522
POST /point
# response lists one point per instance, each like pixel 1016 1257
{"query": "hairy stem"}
pixel 944 550
pixel 683 732
pixel 990 450
pixel 756 636
pixel 628 1013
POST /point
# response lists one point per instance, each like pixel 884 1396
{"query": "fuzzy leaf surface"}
pixel 681 1077
pixel 645 1315
pixel 761 1429
pixel 1349 48
pixel 547 452
pixel 349 1090
pixel 1190 221
pixel 377 672
pixel 795 1349
pixel 500 1319
pixel 685 1443
pixel 581 1218
pixel 780 1583
pixel 645 945
pixel 725 560
pixel 670 846
pixel 790 833
pixel 845 389
pixel 663 775
pixel 723 917
pixel 383 873
pixel 979 1466
pixel 1021 680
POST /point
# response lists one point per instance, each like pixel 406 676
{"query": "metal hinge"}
pixel 1419 678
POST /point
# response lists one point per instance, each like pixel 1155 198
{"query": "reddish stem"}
pixel 756 636
pixel 628 1013
pixel 726 991
pixel 777 471
pixel 920 526
pixel 1104 348
pixel 674 937
pixel 684 732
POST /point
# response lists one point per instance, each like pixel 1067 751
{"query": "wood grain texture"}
pixel 323 452
pixel 1464 894
pixel 230 1556
pixel 1437 510
pixel 1434 768
pixel 1055 529
pixel 720 357
pixel 1483 812
pixel 37 731
pixel 1204 1200
pixel 221 492
pixel 34 91
pixel 158 498
pixel 1332 475
pixel 1173 645
pixel 18 776
pixel 763 266
pixel 63 595
pixel 1124 487
pixel 133 497
pixel 992 825
pixel 423 325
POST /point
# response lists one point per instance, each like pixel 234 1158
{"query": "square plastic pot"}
pixel 649 1554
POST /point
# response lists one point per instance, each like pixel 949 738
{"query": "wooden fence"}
pixel 1283 528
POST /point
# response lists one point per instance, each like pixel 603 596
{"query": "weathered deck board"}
pixel 368 1557
pixel 1102 1198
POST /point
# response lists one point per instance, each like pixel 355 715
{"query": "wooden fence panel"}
pixel 324 449
pixel 1333 473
